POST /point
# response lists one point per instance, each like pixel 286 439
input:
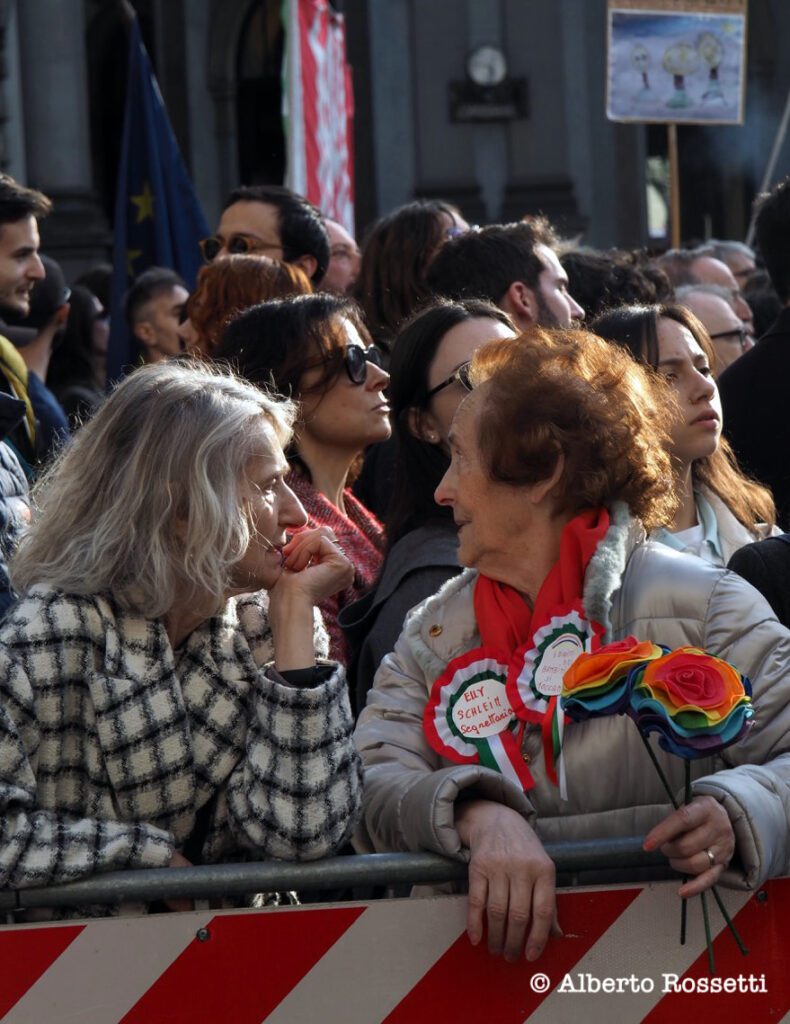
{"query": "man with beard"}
pixel 515 266
pixel 20 269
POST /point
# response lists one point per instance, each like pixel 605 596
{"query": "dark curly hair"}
pixel 570 394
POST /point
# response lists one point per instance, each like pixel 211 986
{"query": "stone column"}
pixel 57 134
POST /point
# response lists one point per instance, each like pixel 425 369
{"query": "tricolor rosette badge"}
pixel 468 718
pixel 696 703
pixel 535 679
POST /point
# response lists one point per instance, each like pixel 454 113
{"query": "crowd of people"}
pixel 232 581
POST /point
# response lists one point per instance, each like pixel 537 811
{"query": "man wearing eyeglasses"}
pixel 686 267
pixel 274 221
pixel 730 338
pixel 344 259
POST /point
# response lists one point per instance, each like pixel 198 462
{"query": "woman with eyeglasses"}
pixel 392 285
pixel 430 360
pixel 316 350
pixel 229 285
pixel 720 508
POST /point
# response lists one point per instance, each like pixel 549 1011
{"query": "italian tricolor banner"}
pixel 318 108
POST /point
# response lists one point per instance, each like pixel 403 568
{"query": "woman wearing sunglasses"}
pixel 429 368
pixel 316 350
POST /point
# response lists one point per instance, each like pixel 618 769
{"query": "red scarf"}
pixel 505 620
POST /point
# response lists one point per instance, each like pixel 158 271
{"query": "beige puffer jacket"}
pixel 631 587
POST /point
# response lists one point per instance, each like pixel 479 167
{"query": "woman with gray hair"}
pixel 162 697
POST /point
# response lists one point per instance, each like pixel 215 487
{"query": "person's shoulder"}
pixel 426 547
pixel 447 618
pixel 771 554
pixel 44 612
pixel 666 577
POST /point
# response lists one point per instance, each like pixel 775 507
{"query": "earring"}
pixel 433 438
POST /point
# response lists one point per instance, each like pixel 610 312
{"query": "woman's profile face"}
pixel 685 367
pixel 489 514
pixel 457 347
pixel 347 416
pixel 272 509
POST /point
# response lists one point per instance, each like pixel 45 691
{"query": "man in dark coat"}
pixel 755 390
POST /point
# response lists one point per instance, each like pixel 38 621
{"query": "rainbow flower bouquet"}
pixel 697 704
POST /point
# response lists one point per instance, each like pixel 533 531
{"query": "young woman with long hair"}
pixel 720 508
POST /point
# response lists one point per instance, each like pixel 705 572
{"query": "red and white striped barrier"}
pixel 403 962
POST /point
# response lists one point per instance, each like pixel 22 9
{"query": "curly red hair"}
pixel 572 394
pixel 234 283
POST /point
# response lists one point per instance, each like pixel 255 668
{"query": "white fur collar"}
pixel 605 570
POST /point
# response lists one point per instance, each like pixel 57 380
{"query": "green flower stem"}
pixel 684 905
pixel 726 917
pixel 706 919
pixel 658 768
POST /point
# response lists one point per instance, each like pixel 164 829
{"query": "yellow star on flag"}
pixel 131 256
pixel 144 203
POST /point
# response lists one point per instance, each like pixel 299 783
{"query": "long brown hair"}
pixel 636 328
pixel 396 255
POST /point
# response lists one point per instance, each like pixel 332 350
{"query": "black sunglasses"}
pixel 461 375
pixel 238 245
pixel 356 361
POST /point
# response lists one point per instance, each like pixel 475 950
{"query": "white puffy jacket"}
pixel 632 586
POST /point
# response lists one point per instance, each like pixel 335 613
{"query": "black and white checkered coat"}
pixel 110 742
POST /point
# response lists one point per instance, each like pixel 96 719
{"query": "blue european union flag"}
pixel 158 221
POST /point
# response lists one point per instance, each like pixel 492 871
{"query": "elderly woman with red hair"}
pixel 559 467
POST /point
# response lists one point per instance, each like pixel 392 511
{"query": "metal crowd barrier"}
pixel 615 857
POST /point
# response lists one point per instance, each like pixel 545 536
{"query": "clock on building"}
pixel 486 66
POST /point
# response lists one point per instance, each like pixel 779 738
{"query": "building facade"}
pixel 539 141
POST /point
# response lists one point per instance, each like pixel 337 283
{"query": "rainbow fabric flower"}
pixel 696 703
pixel 600 683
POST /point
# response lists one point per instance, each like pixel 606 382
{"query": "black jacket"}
pixel 766 565
pixel 755 393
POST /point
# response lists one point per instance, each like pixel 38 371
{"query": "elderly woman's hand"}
pixel 511 880
pixel 314 565
pixel 314 568
pixel 688 835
